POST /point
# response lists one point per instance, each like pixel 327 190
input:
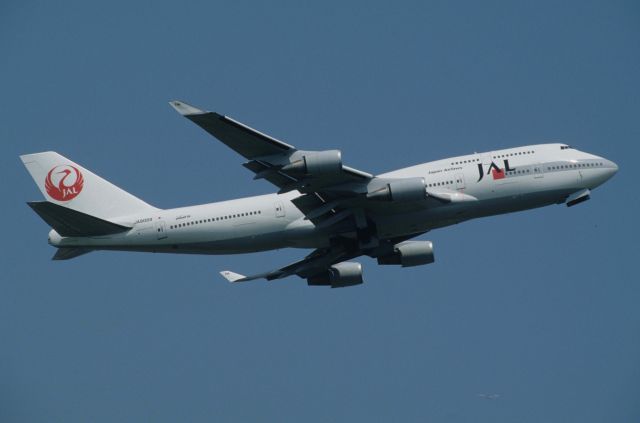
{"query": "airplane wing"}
pixel 315 263
pixel 278 162
pixel 319 261
pixel 246 141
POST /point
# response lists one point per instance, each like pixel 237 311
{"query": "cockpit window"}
pixel 565 147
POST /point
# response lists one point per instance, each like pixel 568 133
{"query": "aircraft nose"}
pixel 611 168
pixel 604 170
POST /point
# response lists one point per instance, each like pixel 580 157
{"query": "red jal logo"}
pixel 64 183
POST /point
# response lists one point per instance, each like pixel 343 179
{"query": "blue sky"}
pixel 540 307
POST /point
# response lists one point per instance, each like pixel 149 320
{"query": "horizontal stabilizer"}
pixel 68 222
pixel 69 253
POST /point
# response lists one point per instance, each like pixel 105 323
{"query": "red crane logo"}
pixel 64 183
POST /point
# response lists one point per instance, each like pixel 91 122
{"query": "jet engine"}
pixel 408 189
pixel 339 275
pixel 409 253
pixel 316 163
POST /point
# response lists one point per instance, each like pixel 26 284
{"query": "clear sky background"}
pixel 540 307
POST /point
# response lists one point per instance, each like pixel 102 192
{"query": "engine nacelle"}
pixel 401 190
pixel 409 253
pixel 316 163
pixel 339 275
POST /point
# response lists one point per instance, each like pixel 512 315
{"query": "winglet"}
pixel 232 276
pixel 185 109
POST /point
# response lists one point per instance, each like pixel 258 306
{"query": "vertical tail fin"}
pixel 68 184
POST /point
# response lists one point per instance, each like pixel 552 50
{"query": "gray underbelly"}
pixel 450 214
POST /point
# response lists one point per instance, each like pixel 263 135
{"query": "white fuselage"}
pixel 536 176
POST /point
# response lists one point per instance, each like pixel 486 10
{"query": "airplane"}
pixel 340 212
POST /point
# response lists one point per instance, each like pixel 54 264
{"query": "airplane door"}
pixel 538 171
pixel 279 209
pixel 459 181
pixel 161 229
